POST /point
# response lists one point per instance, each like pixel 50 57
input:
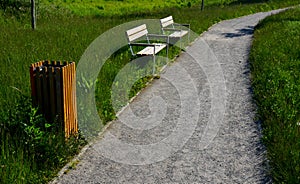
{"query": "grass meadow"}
pixel 31 151
pixel 121 7
pixel 275 66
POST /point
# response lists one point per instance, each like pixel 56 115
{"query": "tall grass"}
pixel 121 7
pixel 31 148
pixel 275 66
pixel 63 35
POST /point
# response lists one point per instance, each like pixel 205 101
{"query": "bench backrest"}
pixel 165 22
pixel 136 33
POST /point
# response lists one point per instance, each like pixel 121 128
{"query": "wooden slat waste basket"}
pixel 53 90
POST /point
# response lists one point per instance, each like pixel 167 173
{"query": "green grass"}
pixel 121 7
pixel 275 64
pixel 64 35
pixel 32 150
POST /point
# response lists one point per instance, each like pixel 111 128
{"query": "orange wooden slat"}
pixel 52 93
pixel 59 109
pixel 63 86
pixel 66 86
pixel 39 88
pixel 68 100
pixel 46 95
pixel 74 97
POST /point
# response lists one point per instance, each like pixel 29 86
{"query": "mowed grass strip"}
pixel 275 67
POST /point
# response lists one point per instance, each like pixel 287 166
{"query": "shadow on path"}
pixel 249 30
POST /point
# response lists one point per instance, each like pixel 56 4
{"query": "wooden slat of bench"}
pixel 136 29
pixel 137 35
pixel 137 32
pixel 150 50
pixel 165 22
pixel 179 33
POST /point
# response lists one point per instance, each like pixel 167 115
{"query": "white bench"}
pixel 137 34
pixel 176 30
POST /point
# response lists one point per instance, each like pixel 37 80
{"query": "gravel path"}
pixel 193 125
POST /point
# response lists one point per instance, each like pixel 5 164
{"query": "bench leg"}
pixel 180 42
pixel 189 37
pixel 153 70
pixel 167 53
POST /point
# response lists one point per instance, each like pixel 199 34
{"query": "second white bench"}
pixel 176 30
pixel 137 34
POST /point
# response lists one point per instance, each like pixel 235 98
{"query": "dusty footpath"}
pixel 196 124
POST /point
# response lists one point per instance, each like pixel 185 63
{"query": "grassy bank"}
pixel 64 35
pixel 275 64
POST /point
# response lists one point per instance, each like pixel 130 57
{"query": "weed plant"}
pixel 30 146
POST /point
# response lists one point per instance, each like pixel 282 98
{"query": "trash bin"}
pixel 53 90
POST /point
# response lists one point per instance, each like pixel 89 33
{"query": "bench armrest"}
pixel 171 29
pixel 160 36
pixel 179 24
pixel 142 44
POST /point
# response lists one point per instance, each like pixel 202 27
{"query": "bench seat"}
pixel 178 34
pixel 152 50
